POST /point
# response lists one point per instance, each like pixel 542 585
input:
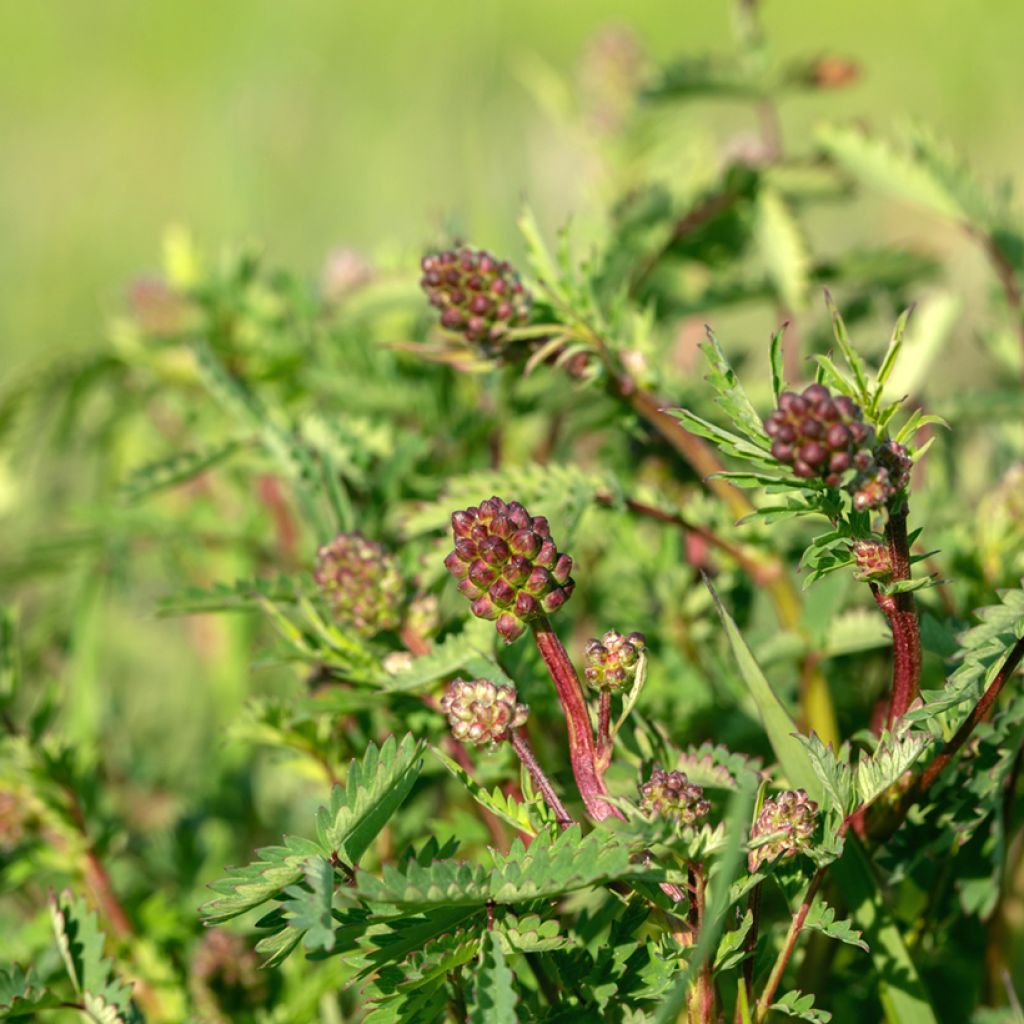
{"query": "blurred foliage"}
pixel 239 415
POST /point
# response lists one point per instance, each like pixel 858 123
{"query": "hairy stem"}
pixel 521 745
pixel 788 945
pixel 901 612
pixel 577 719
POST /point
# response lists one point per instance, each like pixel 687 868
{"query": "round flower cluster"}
pixel 507 565
pixel 478 296
pixel 872 559
pixel 789 819
pixel 818 435
pixel 362 581
pixel 886 475
pixel 672 795
pixel 612 660
pixel 480 711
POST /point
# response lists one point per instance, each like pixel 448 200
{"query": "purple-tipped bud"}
pixel 363 583
pixel 477 296
pixel 480 711
pixel 503 550
pixel 671 795
pixel 818 435
pixel 612 661
pixel 882 477
pixel 784 827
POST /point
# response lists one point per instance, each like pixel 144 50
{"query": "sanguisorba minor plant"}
pixel 528 679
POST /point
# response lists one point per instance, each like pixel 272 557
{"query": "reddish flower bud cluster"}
pixel 362 581
pixel 818 435
pixel 872 559
pixel 507 565
pixel 789 819
pixel 884 478
pixel 612 660
pixel 478 296
pixel 481 711
pixel 672 795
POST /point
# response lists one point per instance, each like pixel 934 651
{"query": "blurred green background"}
pixel 312 124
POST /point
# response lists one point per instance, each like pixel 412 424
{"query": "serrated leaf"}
pixel 375 787
pixel 309 909
pixel 508 809
pixel 731 948
pixel 494 994
pixel 21 993
pixel 81 944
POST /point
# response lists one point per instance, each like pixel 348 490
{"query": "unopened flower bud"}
pixel 480 711
pixel 612 661
pixel 818 435
pixel 362 582
pixel 671 795
pixel 872 559
pixel 478 296
pixel 507 565
pixel 790 819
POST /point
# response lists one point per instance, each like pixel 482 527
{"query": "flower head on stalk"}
pixel 612 661
pixel 671 795
pixel 480 711
pixel 507 565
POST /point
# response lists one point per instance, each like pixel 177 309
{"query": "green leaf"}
pixel 731 396
pixel 904 997
pixel 850 354
pixel 926 337
pixel 309 910
pixel 731 949
pixel 81 943
pixel 822 918
pixel 375 787
pixel 494 994
pixel 777 722
pixel 782 249
pixel 175 470
pixel 21 993
pixel 253 885
pixel 551 867
pixel 797 1004
pixel 507 808
pixel 775 360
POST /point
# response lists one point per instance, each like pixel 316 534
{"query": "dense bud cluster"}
pixel 612 660
pixel 887 475
pixel 362 581
pixel 477 295
pixel 818 435
pixel 507 565
pixel 790 818
pixel 672 795
pixel 872 559
pixel 480 711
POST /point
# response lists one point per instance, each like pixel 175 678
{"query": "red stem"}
pixel 902 615
pixel 577 719
pixel 521 745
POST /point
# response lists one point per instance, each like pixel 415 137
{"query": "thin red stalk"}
pixel 521 745
pixel 577 719
pixel 788 945
pixel 604 728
